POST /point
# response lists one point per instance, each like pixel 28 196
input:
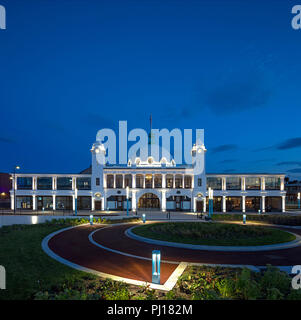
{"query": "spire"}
pixel 150 132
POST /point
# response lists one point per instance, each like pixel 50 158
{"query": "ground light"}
pixel 244 217
pixel 210 193
pixel 156 260
pixel 91 219
pixel 143 217
pixel 127 200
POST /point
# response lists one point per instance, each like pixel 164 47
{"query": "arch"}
pixel 149 200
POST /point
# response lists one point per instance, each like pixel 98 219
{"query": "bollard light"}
pixel 244 216
pixel 156 260
pixel 259 211
pixel 91 219
pixel 299 198
pixel 143 218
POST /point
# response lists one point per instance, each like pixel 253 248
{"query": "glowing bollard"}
pixel 143 218
pixel 244 217
pixel 91 219
pixel 156 259
pixel 259 211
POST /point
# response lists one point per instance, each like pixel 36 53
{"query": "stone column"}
pixel 73 202
pixel 224 184
pixel 243 183
pixel 134 201
pixel 183 181
pixel 92 203
pixel 174 181
pixel 153 181
pixel 12 203
pixel 133 181
pixel 263 204
pixel 283 203
pixel 73 183
pixel 243 199
pixel 53 202
pixel 114 183
pixel 224 206
pixel 204 204
pixel 53 183
pixel 163 204
pixel 163 181
pixel 143 181
pixel 105 181
pixel 262 183
pixel 34 183
pixel 103 203
pixel 282 184
pixel 123 181
pixel 34 203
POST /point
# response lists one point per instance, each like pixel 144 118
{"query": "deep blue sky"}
pixel 69 68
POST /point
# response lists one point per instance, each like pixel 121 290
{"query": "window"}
pixel 252 183
pixel 272 183
pixel 199 182
pixel 188 182
pixel 64 183
pixel 83 183
pixel 233 183
pixel 97 181
pixel 110 181
pixel 44 183
pixel 214 183
pixel 179 181
pixel 169 181
pixel 139 181
pixel 24 183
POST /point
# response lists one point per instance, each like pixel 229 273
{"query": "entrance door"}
pixel 97 204
pixel 199 206
pixel 120 203
pixel 149 201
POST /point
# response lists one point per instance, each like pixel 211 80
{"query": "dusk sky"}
pixel 70 68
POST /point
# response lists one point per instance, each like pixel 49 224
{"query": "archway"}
pixel 149 201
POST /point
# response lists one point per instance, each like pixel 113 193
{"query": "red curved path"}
pixel 74 246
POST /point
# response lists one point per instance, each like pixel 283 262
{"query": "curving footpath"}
pixel 108 252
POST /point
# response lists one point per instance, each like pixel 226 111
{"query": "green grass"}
pixel 30 270
pixel 213 234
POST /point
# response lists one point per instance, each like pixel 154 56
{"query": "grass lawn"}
pixel 213 234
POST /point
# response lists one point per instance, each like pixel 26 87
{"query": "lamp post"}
pixel 156 260
pixel 143 218
pixel 210 193
pixel 75 201
pixel 127 200
pixel 14 183
pixel 299 198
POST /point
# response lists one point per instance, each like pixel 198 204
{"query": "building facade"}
pixel 159 185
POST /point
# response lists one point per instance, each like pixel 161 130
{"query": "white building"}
pixel 160 185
